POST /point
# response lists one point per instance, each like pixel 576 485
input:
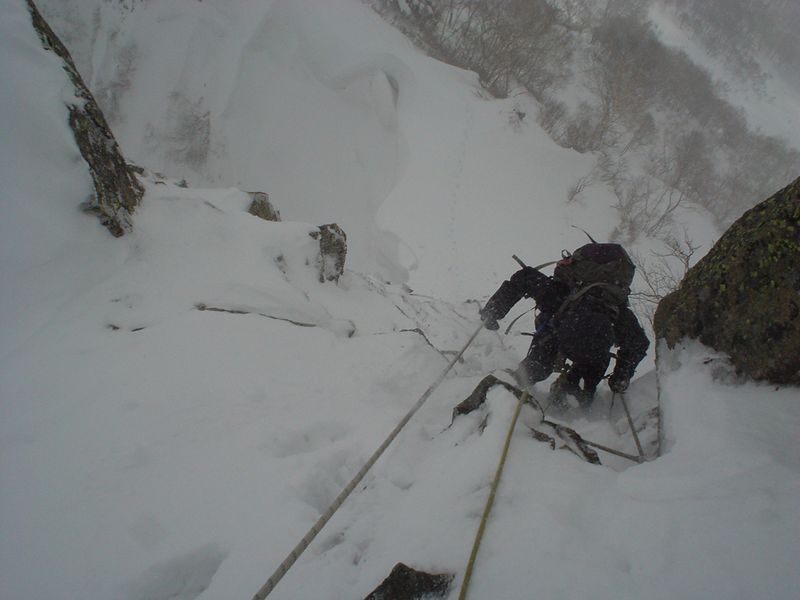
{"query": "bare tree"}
pixel 645 206
pixel 576 188
pixel 663 273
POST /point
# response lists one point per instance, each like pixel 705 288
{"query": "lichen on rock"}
pixel 117 192
pixel 743 297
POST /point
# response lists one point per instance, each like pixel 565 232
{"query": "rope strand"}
pixel 633 429
pixel 490 501
pixel 284 567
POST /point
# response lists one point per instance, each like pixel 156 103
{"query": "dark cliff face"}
pixel 743 298
pixel 117 191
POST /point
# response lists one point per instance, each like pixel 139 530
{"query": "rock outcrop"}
pixel 332 250
pixel 405 583
pixel 743 298
pixel 261 207
pixel 117 192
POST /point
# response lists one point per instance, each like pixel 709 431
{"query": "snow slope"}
pixel 152 450
pixel 320 104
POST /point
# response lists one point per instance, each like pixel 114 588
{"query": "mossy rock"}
pixel 743 297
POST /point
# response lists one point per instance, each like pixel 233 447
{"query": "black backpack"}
pixel 604 271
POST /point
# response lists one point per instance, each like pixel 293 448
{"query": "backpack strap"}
pixel 578 294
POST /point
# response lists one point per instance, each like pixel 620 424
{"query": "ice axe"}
pixel 537 267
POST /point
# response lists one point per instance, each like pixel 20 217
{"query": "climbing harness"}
pixel 304 543
pixel 490 501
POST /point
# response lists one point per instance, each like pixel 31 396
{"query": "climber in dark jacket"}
pixel 581 329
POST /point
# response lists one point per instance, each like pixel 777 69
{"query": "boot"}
pixel 565 386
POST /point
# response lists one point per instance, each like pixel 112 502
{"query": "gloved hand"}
pixel 618 382
pixel 489 320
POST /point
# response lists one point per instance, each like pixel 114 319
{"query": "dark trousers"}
pixel 583 335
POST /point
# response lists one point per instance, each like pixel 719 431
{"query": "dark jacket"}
pixel 550 296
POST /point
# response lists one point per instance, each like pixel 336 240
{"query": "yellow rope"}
pixel 490 501
pixel 304 543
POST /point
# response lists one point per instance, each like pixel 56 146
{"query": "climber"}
pixel 584 311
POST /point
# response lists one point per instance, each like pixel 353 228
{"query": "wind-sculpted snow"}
pixel 257 96
pixel 318 104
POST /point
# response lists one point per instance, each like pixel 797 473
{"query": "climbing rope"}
pixel 660 438
pixel 633 429
pixel 304 543
pixel 490 501
pixel 498 474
